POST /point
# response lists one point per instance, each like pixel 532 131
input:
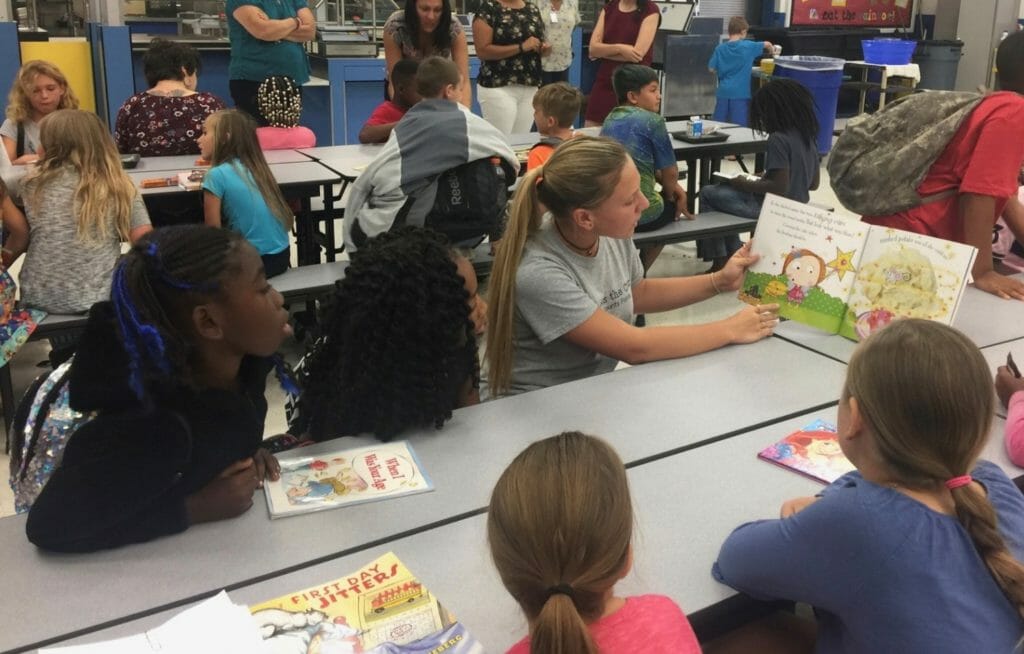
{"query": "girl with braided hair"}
pixel 560 528
pixel 399 349
pixel 280 102
pixel 920 548
pixel 173 369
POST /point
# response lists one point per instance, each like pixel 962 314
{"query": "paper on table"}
pixel 215 625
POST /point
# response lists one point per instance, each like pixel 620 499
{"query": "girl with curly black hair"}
pixel 399 348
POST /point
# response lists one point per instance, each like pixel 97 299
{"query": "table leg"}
pixel 691 184
pixel 885 85
pixel 329 220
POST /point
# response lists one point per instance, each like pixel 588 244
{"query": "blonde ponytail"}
pixel 581 173
pixel 524 219
pixel 930 418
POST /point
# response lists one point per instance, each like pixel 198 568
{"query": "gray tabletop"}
pixel 707 223
pixel 189 161
pixel 295 173
pixel 349 161
pixel 645 411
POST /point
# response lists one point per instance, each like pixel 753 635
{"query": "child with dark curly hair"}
pixel 399 348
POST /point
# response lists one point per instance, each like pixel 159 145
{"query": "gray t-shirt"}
pixel 62 274
pixel 10 130
pixel 557 290
pixel 787 149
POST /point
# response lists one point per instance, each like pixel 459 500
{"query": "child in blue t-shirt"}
pixel 731 62
pixel 240 192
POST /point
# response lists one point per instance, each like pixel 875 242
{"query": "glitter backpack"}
pixel 43 423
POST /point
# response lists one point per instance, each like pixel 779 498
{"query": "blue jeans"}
pixel 724 198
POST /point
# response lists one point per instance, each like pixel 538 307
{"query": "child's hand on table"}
pixel 267 466
pixel 228 495
pixel 796 505
pixel 752 323
pixel 1000 285
pixel 1007 384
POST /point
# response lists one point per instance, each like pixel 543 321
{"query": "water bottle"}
pixel 697 125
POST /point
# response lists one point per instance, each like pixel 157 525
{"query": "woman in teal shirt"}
pixel 266 39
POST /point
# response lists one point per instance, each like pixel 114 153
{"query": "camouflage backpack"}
pixel 880 160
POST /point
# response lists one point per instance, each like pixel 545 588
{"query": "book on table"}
pixel 342 477
pixel 812 451
pixel 844 276
pixel 380 609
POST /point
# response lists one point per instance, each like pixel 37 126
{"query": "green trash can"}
pixel 938 61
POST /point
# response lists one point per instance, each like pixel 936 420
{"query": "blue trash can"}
pixel 822 76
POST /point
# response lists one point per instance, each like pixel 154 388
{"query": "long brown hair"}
pixel 581 174
pixel 234 137
pixel 559 527
pixel 103 199
pixel 926 393
pixel 19 100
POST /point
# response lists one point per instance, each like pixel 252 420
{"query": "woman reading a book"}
pixel 567 279
pixel 920 548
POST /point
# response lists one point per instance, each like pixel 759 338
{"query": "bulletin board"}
pixel 851 13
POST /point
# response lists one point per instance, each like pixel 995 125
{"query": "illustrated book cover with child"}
pixel 812 451
pixel 332 479
pixel 840 275
pixel 379 609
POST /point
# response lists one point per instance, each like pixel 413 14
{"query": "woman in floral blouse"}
pixel 423 29
pixel 510 40
pixel 168 118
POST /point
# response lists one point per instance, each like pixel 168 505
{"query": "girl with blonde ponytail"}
pixel 559 526
pixel 567 279
pixel 918 550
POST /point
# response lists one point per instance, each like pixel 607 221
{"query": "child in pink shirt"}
pixel 1010 389
pixel 279 99
pixel 574 486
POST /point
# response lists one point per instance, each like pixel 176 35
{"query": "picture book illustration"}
pixel 380 609
pixel 844 276
pixel 329 480
pixel 812 451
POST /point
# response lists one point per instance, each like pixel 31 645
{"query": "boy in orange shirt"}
pixel 555 108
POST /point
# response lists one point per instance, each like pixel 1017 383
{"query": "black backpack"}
pixel 471 200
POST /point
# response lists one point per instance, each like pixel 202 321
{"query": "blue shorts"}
pixel 732 110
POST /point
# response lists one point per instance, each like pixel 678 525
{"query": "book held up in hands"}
pixel 844 276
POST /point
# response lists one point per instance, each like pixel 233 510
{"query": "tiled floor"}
pixel 675 260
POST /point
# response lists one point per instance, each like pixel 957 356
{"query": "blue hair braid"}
pixel 285 377
pixel 140 339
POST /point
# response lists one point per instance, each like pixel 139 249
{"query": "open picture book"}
pixel 844 276
pixel 812 451
pixel 332 479
pixel 380 609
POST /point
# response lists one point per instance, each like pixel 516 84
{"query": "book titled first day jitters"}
pixel 333 479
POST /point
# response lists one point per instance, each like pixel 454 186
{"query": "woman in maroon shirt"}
pixel 624 34
pixel 167 118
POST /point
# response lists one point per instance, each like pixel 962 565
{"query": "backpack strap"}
pixel 20 146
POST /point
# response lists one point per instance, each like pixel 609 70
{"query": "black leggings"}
pixel 275 264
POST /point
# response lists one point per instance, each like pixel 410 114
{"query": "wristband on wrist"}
pixel 714 284
pixel 521 51
pixel 298 23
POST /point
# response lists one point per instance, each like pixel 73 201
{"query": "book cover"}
pixel 333 479
pixel 379 609
pixel 844 276
pixel 812 451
